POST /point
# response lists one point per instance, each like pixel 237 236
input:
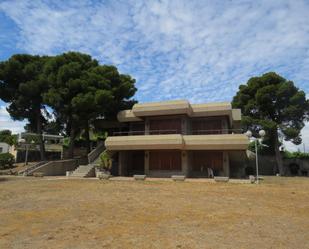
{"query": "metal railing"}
pixel 95 153
pixel 192 132
pixel 217 131
pixel 30 168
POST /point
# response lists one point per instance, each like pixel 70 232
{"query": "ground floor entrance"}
pixel 194 163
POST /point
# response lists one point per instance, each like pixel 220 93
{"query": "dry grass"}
pixel 41 213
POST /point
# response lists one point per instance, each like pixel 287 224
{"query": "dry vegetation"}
pixel 42 213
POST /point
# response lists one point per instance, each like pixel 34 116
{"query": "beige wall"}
pixel 177 141
pixel 56 168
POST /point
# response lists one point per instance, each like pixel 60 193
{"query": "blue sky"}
pixel 195 50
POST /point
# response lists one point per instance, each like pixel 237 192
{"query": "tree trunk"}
pixel 87 137
pixel 278 155
pixel 39 131
pixel 72 142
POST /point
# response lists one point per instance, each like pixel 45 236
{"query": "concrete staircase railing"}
pixel 95 154
pixel 26 171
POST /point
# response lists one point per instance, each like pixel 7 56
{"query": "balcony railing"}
pixel 164 132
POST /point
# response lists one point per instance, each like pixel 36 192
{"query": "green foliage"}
pixel 106 161
pixel 82 90
pixel 261 149
pixel 22 86
pixel 73 85
pixel 273 103
pixel 66 142
pixel 6 160
pixel 295 155
pixel 7 137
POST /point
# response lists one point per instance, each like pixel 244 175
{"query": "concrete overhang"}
pixel 177 107
pixel 216 142
pixel 211 109
pixel 127 116
pixel 162 108
pixel 144 142
pixel 177 141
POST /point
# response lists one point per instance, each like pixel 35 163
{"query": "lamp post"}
pixel 262 134
pixel 22 141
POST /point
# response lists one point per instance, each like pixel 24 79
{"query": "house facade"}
pixel 161 139
pixel 4 147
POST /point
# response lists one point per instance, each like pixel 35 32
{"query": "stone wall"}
pixel 57 168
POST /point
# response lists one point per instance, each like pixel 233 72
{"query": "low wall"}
pixel 57 168
pixel 267 165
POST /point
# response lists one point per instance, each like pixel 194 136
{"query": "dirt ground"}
pixel 50 213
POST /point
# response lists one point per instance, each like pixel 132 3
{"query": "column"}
pixel 224 126
pixel 122 161
pixel 226 164
pixel 184 163
pixel 146 126
pixel 146 163
pixel 184 125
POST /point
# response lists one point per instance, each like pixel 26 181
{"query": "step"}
pixel 82 171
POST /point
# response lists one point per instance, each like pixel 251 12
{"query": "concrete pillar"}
pixel 226 164
pixel 147 126
pixel 146 163
pixel 184 125
pixel 122 162
pixel 224 126
pixel 184 163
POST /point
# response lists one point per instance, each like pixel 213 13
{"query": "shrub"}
pixel 106 161
pixel 6 160
pixel 295 155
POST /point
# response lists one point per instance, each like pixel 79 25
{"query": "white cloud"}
pixel 305 141
pixel 6 123
pixel 198 50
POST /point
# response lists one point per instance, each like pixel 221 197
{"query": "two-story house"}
pixel 175 137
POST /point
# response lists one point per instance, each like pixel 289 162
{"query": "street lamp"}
pixel 22 141
pixel 262 134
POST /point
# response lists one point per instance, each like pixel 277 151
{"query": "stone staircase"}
pixel 93 160
pixel 84 171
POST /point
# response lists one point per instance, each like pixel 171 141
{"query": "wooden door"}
pixel 165 160
pixel 201 160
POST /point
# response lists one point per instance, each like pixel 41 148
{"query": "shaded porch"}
pixel 191 163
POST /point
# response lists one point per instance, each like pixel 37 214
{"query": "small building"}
pixel 4 147
pixel 168 138
pixel 53 147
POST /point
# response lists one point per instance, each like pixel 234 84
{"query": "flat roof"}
pixel 175 107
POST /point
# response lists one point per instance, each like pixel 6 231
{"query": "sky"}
pixel 197 50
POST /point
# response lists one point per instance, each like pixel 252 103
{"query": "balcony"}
pixel 144 142
pixel 168 139
pixel 166 132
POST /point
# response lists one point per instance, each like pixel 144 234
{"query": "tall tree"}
pixel 276 105
pixel 109 92
pixel 22 85
pixel 81 90
pixel 65 74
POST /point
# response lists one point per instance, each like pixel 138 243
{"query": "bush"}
pixel 295 155
pixel 106 161
pixel 6 160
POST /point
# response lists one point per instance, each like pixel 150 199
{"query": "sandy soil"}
pixel 42 213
